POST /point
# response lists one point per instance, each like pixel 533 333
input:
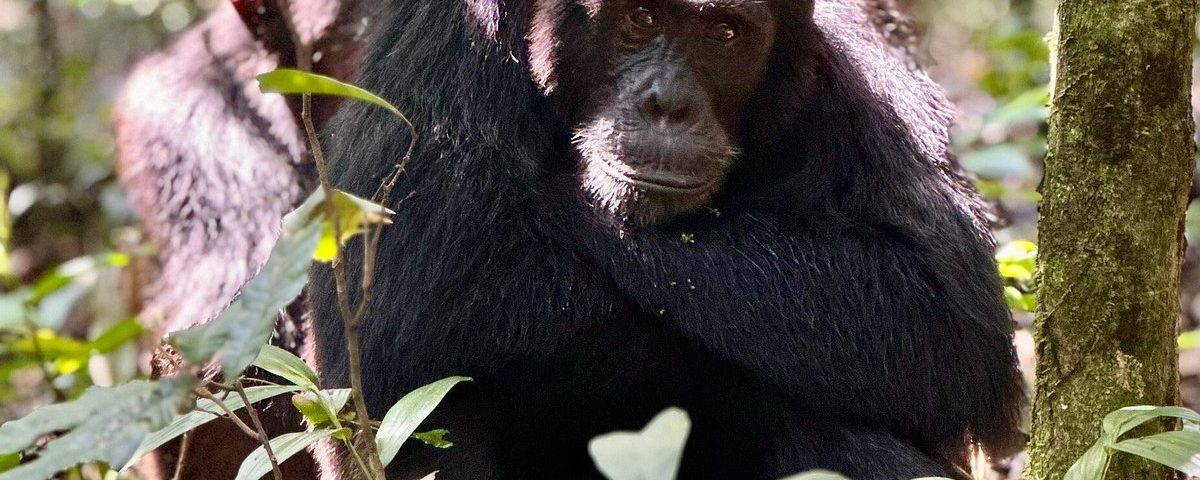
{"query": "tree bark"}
pixel 1112 216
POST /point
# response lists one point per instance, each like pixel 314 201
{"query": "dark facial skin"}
pixel 658 137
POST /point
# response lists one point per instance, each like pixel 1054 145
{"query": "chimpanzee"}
pixel 739 207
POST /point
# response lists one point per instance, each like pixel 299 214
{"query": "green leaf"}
pixel 407 414
pixel 1189 340
pixel 239 333
pixel 1019 252
pixel 314 412
pixel 1123 420
pixel 1015 298
pixel 50 345
pixel 434 438
pixel 9 461
pixel 817 475
pixel 1179 450
pixel 116 336
pixel 320 408
pixel 107 425
pixel 1090 466
pixel 283 363
pixel 654 452
pixel 354 215
pixel 199 415
pixel 284 446
pixel 289 81
pixel 1015 271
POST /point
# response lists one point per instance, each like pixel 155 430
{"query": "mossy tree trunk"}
pixel 1111 244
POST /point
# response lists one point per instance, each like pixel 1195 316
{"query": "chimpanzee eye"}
pixel 723 31
pixel 642 17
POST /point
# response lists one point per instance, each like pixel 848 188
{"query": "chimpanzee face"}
pixel 657 131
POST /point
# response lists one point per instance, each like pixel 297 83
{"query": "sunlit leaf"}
pixel 354 215
pixel 402 420
pixel 319 408
pixel 1189 340
pixel 9 461
pixel 1015 271
pixel 1123 420
pixel 283 363
pixel 654 452
pixel 1020 251
pixel 289 81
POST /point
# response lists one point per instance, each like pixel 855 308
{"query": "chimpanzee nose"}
pixel 666 104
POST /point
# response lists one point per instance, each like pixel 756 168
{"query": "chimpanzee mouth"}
pixel 658 181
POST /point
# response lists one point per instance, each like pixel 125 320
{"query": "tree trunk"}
pixel 1111 241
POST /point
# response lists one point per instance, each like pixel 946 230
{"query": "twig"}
pixel 183 451
pixel 262 432
pixel 228 412
pixel 351 318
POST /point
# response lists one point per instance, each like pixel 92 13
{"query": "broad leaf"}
pixel 1179 450
pixel 201 415
pixel 1122 421
pixel 281 362
pixel 320 408
pixel 653 453
pixel 284 446
pixel 1090 466
pixel 239 333
pixel 354 214
pixel 107 425
pixel 407 414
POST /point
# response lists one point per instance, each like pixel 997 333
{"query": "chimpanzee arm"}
pixel 868 321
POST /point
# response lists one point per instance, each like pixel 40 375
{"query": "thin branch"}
pixel 183 452
pixel 351 319
pixel 262 432
pixel 229 414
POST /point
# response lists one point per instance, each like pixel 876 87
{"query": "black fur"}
pixel 837 309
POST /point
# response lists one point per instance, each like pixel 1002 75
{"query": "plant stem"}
pixel 351 318
pixel 262 432
pixel 183 452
